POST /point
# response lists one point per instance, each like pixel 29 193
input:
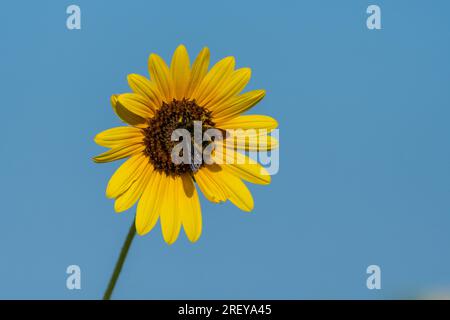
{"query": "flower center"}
pixel 178 114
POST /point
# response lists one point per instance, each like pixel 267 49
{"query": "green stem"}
pixel 119 263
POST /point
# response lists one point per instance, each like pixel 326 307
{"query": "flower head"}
pixel 189 113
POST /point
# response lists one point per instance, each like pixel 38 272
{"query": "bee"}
pixel 196 157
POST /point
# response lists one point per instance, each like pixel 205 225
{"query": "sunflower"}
pixel 172 98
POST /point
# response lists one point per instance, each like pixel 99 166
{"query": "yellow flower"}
pixel 173 98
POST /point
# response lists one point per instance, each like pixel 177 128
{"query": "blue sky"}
pixel 364 158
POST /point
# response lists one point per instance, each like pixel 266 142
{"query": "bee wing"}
pixel 197 154
pixel 197 158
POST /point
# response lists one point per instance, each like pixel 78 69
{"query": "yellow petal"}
pixel 180 71
pixel 127 199
pixel 249 122
pixel 126 174
pixel 254 173
pixel 199 70
pixel 117 136
pixel 147 213
pixel 241 166
pixel 144 87
pixel 216 77
pixel 160 74
pixel 237 105
pixel 236 83
pixel 125 115
pixel 248 140
pixel 260 143
pixel 136 104
pixel 119 152
pixel 209 187
pixel 170 215
pixel 236 191
pixel 189 207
